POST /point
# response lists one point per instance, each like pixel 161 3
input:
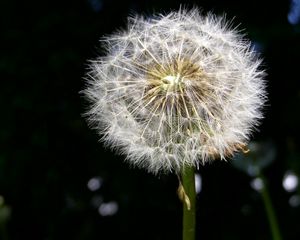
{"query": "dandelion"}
pixel 176 90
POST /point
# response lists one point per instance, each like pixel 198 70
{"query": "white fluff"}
pixel 176 90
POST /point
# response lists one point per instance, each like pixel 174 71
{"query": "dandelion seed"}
pixel 176 90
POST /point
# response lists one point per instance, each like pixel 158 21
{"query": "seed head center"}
pixel 172 82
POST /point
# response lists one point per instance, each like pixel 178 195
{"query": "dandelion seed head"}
pixel 175 90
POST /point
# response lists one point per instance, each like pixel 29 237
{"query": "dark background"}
pixel 48 154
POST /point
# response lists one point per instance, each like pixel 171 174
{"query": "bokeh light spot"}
pixel 294 13
pixel 198 182
pixel 108 209
pixel 290 181
pixel 94 183
pixel 294 201
pixel 257 184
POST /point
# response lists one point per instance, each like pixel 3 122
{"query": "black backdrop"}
pixel 48 154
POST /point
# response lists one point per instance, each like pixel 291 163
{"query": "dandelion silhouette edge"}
pixel 176 90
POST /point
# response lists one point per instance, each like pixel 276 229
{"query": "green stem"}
pixel 189 213
pixel 270 210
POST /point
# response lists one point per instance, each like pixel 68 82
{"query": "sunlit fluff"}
pixel 175 90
